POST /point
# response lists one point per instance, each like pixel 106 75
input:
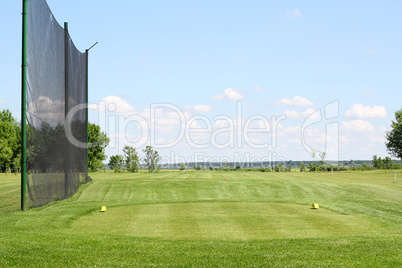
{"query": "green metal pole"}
pixel 24 105
pixel 67 160
pixel 87 86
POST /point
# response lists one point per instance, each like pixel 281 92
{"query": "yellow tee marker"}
pixel 103 209
pixel 315 206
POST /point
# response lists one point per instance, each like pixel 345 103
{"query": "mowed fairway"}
pixel 197 218
pixel 218 220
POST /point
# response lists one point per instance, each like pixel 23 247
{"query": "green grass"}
pixel 196 218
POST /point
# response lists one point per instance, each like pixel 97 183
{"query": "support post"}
pixel 24 105
pixel 87 86
pixel 66 53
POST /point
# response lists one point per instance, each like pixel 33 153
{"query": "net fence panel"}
pixel 55 167
pixel 77 94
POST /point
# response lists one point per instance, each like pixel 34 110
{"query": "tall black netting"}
pixel 56 87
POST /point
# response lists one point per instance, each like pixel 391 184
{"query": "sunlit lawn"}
pixel 196 218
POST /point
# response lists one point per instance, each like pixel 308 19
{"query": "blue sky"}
pixel 206 59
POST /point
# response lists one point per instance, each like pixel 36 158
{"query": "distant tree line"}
pixel 282 166
pixel 10 156
pixel 130 160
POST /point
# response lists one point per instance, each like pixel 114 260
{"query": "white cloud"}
pixel 46 105
pixel 229 94
pixel 296 101
pixel 218 97
pixel 358 125
pixel 221 124
pixel 119 139
pixel 368 92
pixel 347 139
pixel 46 109
pixel 363 112
pixel 292 114
pixel 3 101
pixel 202 108
pixel 113 104
pixel 293 130
pixel 311 113
pixel 259 88
pixel 308 113
pixel 378 136
pixel 297 141
pixel 166 119
pixel 293 14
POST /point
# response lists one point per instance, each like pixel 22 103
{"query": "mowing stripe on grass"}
pixel 227 221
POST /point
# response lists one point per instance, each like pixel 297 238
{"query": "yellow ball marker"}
pixel 315 206
pixel 103 209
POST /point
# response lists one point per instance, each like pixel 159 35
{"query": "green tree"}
pixel 378 162
pixel 131 158
pixel 279 168
pixel 115 162
pixel 302 166
pixel 151 159
pixel 182 167
pixel 6 155
pixel 375 161
pixel 42 154
pixel 98 141
pixel 394 137
pixel 10 140
pixel 225 167
pixel 388 163
pixel 322 155
pixel 17 163
pixel 313 167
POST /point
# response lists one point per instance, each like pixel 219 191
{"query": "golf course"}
pixel 197 218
